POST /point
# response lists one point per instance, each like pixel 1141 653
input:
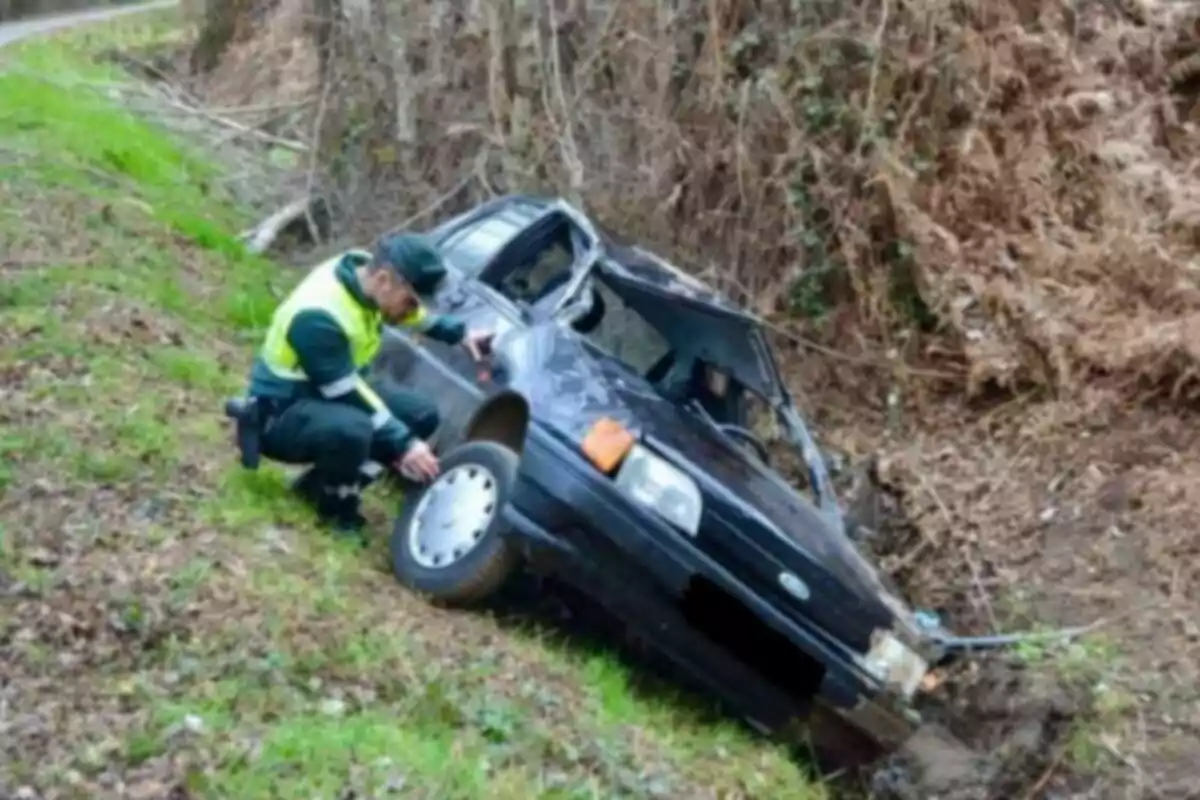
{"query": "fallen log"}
pixel 260 238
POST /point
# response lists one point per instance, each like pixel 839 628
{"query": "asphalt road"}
pixel 19 29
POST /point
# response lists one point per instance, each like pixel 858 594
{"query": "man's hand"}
pixel 418 463
pixel 479 344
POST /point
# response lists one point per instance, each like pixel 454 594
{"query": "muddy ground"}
pixel 1041 515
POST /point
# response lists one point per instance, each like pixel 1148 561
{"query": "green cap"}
pixel 414 258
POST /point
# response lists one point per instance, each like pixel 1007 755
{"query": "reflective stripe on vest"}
pixel 321 290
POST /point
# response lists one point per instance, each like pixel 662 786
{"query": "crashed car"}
pixel 609 444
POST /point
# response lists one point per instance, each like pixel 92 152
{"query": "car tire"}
pixel 448 542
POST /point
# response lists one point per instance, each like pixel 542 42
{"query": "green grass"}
pixel 182 623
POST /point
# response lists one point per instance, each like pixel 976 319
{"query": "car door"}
pixel 469 297
pixel 478 254
pixel 486 301
pixel 443 372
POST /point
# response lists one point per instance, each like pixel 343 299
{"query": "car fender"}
pixel 502 417
pixel 469 411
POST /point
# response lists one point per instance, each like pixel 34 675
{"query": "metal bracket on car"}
pixel 952 646
pixel 587 262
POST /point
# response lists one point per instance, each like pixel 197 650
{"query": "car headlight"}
pixel 894 663
pixel 655 482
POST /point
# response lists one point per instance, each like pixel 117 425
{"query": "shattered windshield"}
pixel 624 333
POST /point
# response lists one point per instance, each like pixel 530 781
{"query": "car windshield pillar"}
pixel 576 285
pixel 814 461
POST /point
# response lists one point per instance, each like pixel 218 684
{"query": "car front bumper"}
pixel 565 510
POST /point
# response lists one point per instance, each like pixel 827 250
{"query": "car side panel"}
pixel 654 619
pixel 445 373
pixel 419 367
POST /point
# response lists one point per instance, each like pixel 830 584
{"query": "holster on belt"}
pixel 250 418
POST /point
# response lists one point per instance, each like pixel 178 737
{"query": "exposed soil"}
pixel 1002 735
pixel 1051 513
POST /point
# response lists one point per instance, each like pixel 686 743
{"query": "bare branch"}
pixel 260 238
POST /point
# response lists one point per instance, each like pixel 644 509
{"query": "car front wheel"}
pixel 447 543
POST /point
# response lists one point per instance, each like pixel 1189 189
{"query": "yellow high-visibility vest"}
pixel 322 290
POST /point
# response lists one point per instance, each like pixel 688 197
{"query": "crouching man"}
pixel 314 400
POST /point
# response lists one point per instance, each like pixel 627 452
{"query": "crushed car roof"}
pixel 630 258
pixel 692 315
pixel 651 268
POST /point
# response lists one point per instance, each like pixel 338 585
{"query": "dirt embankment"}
pixel 984 215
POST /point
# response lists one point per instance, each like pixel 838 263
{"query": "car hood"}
pixel 569 385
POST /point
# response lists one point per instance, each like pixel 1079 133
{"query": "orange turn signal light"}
pixel 607 443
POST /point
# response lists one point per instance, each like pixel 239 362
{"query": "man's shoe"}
pixel 346 521
pixel 310 488
pixel 340 514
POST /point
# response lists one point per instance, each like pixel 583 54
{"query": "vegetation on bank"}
pixel 172 623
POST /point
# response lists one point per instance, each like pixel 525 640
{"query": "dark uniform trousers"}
pixel 338 439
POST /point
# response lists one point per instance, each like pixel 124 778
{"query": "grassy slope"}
pixel 167 620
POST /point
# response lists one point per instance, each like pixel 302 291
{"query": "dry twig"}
pixel 247 130
pixel 314 155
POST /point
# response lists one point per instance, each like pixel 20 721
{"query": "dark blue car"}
pixel 610 445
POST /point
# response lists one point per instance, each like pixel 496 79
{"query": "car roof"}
pixel 641 264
